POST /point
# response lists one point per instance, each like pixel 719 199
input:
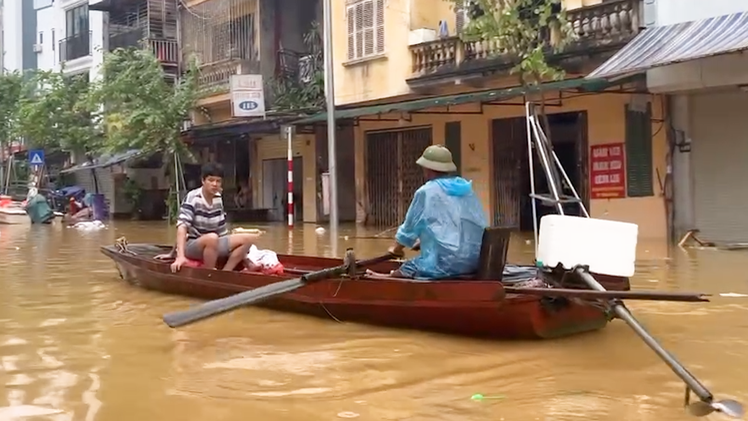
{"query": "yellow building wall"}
pixel 605 125
pixel 273 147
pixel 385 75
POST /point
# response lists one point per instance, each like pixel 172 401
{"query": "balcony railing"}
pixel 214 78
pixel 167 51
pixel 610 23
pixel 75 46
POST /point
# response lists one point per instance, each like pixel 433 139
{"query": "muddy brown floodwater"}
pixel 78 344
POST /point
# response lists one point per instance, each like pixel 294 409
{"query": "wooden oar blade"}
pixel 216 307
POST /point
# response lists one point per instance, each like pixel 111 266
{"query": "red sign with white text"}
pixel 607 171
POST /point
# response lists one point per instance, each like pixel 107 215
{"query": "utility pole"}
pixel 331 127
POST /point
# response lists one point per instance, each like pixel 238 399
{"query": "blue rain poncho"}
pixel 448 218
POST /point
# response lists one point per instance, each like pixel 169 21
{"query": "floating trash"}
pixel 480 397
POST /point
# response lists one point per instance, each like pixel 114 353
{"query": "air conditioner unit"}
pixel 649 13
pixel 37 48
pixel 421 35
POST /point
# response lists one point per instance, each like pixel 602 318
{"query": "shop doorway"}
pixel 275 188
pixel 511 192
pixel 392 176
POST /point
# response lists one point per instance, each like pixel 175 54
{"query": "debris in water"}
pixel 732 294
pixel 480 397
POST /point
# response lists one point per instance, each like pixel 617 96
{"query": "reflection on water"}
pixel 77 344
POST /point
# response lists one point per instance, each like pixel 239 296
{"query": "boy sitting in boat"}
pixel 202 233
pixel 445 218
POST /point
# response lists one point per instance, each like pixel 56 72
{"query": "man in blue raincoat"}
pixel 445 218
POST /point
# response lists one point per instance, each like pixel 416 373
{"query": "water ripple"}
pixel 77 344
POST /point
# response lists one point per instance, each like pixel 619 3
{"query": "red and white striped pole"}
pixel 289 135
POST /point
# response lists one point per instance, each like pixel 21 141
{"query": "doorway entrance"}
pixel 392 176
pixel 511 176
pixel 275 188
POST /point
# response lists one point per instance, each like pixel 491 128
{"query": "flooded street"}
pixel 78 344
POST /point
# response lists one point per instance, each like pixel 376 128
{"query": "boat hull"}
pixel 463 307
pixel 14 216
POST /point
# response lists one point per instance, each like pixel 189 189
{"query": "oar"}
pixel 707 404
pixel 587 294
pixel 216 307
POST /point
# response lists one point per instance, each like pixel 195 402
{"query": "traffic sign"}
pixel 36 157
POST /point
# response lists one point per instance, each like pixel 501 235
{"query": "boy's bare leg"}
pixel 239 245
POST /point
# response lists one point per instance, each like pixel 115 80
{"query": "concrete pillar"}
pixel 682 174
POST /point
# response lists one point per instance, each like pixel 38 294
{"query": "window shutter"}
pixel 639 167
pixel 379 22
pixel 368 27
pixel 359 30
pixel 453 142
pixel 351 32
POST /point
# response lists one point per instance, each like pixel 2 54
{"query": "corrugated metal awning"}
pixel 104 161
pixel 670 44
pixel 584 84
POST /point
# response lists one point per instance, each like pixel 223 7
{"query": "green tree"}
pixel 11 87
pixel 288 93
pixel 54 112
pixel 528 31
pixel 140 108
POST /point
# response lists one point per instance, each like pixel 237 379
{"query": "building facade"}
pixel 404 80
pixel 48 35
pixel 693 52
pixel 267 38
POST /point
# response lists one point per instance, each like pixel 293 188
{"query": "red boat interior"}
pixel 492 264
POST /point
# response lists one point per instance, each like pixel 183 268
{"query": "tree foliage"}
pixel 291 94
pixel 526 29
pixel 54 112
pixel 11 88
pixel 139 107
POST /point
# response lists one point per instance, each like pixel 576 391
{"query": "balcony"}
pixel 598 29
pixel 214 78
pixel 167 51
pixel 76 46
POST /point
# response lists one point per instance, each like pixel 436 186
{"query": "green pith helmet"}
pixel 437 158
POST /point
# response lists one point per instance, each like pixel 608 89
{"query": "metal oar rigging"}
pixel 554 172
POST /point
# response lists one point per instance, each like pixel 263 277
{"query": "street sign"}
pixel 36 157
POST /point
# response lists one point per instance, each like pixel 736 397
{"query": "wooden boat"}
pixel 466 306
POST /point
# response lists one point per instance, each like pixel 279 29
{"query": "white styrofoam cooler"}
pixel 607 247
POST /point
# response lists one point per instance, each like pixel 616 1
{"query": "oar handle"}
pixel 323 274
pixel 223 305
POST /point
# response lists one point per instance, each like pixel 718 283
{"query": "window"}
pixel 41 38
pixel 453 142
pixel 234 39
pixel 365 28
pixel 76 21
pixel 53 40
pixel 639 167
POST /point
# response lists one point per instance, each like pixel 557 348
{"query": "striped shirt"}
pixel 200 218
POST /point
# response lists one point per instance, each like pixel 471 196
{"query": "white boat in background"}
pixel 13 212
